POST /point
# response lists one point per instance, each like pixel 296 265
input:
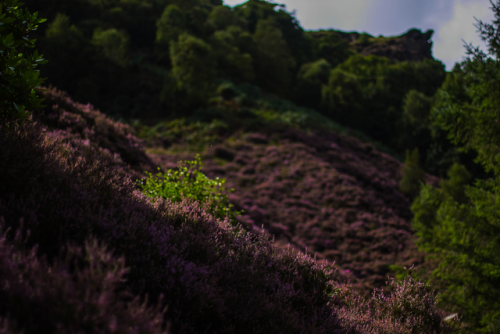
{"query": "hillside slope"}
pixel 329 194
pixel 75 124
pixel 117 261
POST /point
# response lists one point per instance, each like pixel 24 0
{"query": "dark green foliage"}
pixel 368 93
pixel 222 17
pixel 275 64
pixel 193 67
pixel 458 224
pixel 341 94
pixel 114 45
pixel 458 178
pixel 466 109
pixel 232 62
pixel 364 38
pixel 415 128
pixel 330 46
pixel 171 24
pixel 310 80
pixel 416 110
pixel 66 45
pixel 125 65
pixel 254 11
pixel 18 77
pixel 463 236
pixel 412 175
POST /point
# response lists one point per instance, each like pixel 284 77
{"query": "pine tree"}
pixel 460 224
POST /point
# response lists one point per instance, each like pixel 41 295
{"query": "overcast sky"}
pixel 451 20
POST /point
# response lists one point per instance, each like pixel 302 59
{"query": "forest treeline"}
pixel 166 59
pixel 200 61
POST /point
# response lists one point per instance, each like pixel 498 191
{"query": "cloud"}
pixel 452 20
pixel 448 44
pixel 394 17
pixel 326 14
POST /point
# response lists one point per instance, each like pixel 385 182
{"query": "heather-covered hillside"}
pixel 329 195
pixel 202 168
pixel 67 216
pixel 76 124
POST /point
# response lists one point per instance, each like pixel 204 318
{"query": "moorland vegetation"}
pixel 293 121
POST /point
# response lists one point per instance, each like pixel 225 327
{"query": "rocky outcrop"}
pixel 414 45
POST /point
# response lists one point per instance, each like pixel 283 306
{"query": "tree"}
pixel 222 17
pixel 18 77
pixel 412 175
pixel 231 61
pixel 310 80
pixel 341 96
pixel 193 67
pixel 255 11
pixel 416 110
pixel 274 64
pixel 458 178
pixel 66 45
pixel 415 126
pixel 367 93
pixel 459 223
pixel 331 47
pixel 113 43
pixel 171 24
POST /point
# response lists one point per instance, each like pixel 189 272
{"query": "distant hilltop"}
pixel 414 45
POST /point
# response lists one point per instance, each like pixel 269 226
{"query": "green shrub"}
pixel 459 177
pixel 114 44
pixel 193 66
pixel 18 78
pixel 416 109
pixel 412 175
pixel 189 182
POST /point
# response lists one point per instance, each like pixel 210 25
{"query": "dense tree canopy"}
pixel 368 92
pixel 458 224
pixel 136 61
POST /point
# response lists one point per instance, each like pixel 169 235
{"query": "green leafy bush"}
pixel 18 78
pixel 193 66
pixel 114 44
pixel 189 182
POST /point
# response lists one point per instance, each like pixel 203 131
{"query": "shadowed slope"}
pixel 213 279
pixel 75 123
